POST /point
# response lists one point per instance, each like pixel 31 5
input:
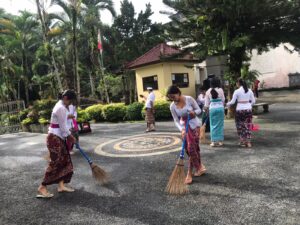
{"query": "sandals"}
pixel 249 145
pixel 66 190
pixel 47 195
pixel 220 144
pixel 213 145
pixel 242 144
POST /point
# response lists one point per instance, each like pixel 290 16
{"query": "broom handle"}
pixel 184 140
pixel 83 153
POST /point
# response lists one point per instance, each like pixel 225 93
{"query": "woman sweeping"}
pixel 72 126
pixel 243 117
pixel 60 168
pixel 214 101
pixel 180 108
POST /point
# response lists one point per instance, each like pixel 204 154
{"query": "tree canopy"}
pixel 233 27
pixel 43 53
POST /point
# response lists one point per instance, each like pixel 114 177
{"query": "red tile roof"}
pixel 157 54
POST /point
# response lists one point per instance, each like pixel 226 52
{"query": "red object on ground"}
pixel 255 127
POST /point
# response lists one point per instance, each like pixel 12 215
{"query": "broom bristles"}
pixel 202 135
pixel 47 157
pixel 99 174
pixel 176 185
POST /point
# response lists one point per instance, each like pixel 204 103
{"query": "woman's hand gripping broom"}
pixel 176 185
pixel 98 173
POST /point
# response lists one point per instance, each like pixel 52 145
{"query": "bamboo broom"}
pixel 98 173
pixel 202 132
pixel 176 185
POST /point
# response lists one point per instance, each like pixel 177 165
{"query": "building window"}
pixel 150 82
pixel 180 80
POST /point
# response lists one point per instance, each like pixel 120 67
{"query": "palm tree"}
pixel 92 22
pixel 69 19
pixel 43 19
pixel 23 30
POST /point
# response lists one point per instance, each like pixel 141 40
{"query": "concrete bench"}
pixel 264 106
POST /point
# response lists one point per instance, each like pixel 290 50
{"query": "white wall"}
pixel 275 66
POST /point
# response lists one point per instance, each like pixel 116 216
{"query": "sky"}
pixel 13 7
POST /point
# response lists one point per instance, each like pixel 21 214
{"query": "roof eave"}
pixel 163 61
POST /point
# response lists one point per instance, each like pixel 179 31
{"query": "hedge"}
pixel 82 116
pixel 114 112
pixel 162 110
pixel 44 104
pixel 134 111
pixel 95 112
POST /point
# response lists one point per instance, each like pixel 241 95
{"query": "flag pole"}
pixel 100 58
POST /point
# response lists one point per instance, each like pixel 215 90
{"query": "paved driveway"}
pixel 258 186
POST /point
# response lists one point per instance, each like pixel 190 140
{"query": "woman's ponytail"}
pixel 244 84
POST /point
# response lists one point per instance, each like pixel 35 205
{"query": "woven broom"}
pixel 202 132
pixel 98 173
pixel 176 185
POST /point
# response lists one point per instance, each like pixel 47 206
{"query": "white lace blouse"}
pixel 59 116
pixel 177 113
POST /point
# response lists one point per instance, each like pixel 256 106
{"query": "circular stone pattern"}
pixel 140 145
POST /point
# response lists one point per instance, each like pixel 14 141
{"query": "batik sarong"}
pixel 149 116
pixel 243 122
pixel 216 119
pixel 60 166
pixel 192 148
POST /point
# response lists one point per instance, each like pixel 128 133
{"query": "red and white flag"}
pixel 100 47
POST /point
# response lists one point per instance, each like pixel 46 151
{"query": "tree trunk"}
pixel 25 78
pixel 75 58
pixel 92 84
pixel 49 47
pixel 236 60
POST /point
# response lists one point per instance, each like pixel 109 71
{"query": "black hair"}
pixel 243 84
pixel 206 84
pixel 59 96
pixel 70 94
pixel 214 83
pixel 173 90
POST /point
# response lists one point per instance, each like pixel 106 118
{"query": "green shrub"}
pixel 114 112
pixel 82 116
pixel 23 114
pixel 95 112
pixel 134 111
pixel 27 121
pixel 13 119
pixel 34 116
pixel 45 114
pixel 43 121
pixel 162 110
pixel 44 104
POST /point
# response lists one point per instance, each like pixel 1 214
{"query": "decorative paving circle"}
pixel 141 145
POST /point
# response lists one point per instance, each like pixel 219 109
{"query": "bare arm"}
pixel 196 107
pixel 233 100
pixel 252 98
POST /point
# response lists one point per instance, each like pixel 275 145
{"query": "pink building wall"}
pixel 275 66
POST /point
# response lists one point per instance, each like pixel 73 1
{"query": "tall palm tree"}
pixel 43 19
pixel 69 19
pixel 91 23
pixel 23 30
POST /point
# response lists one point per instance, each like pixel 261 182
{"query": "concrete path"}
pixel 258 186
